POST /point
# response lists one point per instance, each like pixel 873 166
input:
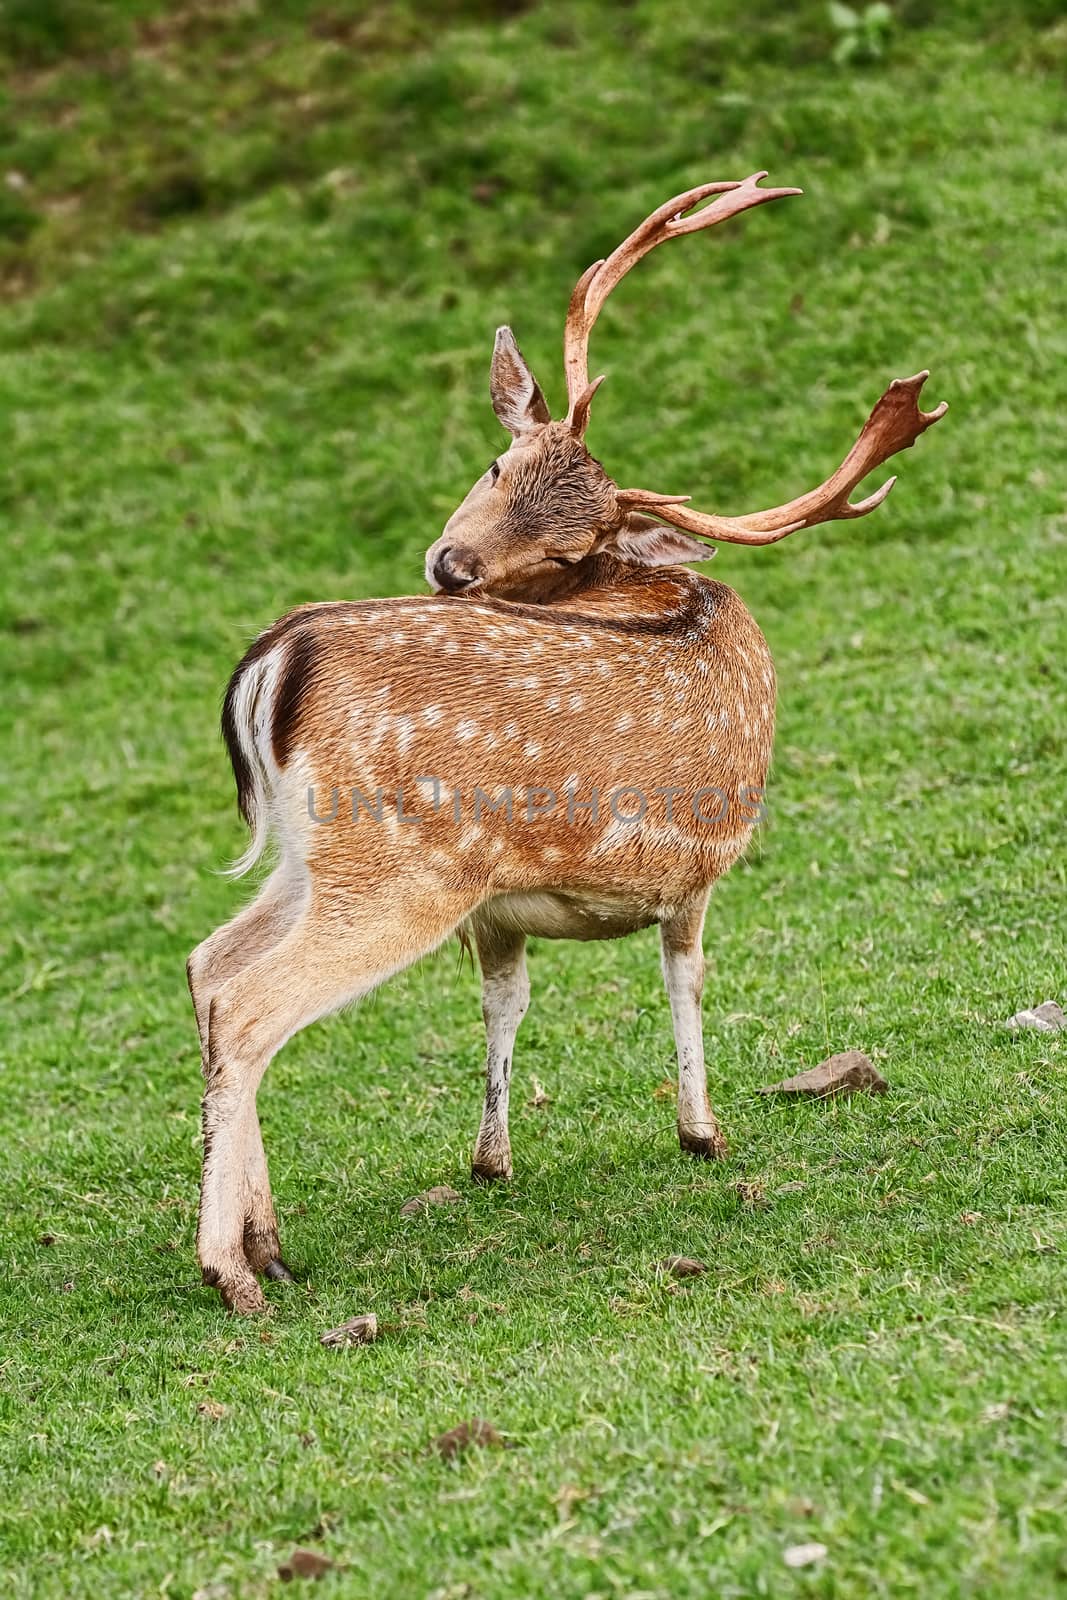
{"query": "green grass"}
pixel 253 258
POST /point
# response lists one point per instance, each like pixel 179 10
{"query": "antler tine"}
pixel 894 425
pixel 666 222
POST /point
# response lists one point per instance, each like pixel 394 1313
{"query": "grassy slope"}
pixel 244 363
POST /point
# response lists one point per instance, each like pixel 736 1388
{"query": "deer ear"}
pixel 517 399
pixel 650 544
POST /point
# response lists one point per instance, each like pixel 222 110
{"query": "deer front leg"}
pixel 683 972
pixel 505 996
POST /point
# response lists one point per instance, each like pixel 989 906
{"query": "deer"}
pixel 568 737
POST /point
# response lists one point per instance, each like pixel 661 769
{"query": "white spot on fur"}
pixel 623 722
pixel 532 749
pixel 466 730
pixel 431 715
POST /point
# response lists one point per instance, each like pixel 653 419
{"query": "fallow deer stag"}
pixel 568 739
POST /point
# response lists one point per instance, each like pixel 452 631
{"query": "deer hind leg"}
pixel 683 972
pixel 339 949
pixel 505 997
pixel 234 946
pixel 238 942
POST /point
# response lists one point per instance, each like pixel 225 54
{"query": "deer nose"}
pixel 456 570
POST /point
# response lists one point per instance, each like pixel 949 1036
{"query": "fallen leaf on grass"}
pixel 539 1096
pixel 440 1195
pixel 848 1072
pixel 357 1330
pixel 801 1506
pixel 752 1193
pixel 475 1432
pixel 996 1412
pixel 791 1188
pixel 804 1555
pixel 567 1496
pixel 680 1267
pixel 1045 1018
pixel 667 1090
pixel 304 1564
pixel 212 1409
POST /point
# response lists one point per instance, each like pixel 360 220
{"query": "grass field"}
pixel 252 258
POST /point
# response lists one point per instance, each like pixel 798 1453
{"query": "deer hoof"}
pixel 239 1290
pixel 277 1271
pixel 489 1174
pixel 705 1146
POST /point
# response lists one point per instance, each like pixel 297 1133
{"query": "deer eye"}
pixel 494 471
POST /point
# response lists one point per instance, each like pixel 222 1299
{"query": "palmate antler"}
pixel 894 424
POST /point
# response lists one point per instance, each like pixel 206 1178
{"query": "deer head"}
pixel 529 525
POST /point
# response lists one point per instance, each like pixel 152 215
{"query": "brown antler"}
pixel 596 283
pixel 894 424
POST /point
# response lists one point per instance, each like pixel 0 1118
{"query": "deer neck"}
pixel 558 584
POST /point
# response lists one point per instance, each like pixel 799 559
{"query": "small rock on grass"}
pixel 849 1072
pixel 441 1195
pixel 357 1330
pixel 475 1432
pixel 304 1564
pixel 680 1267
pixel 1045 1018
pixel 804 1555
